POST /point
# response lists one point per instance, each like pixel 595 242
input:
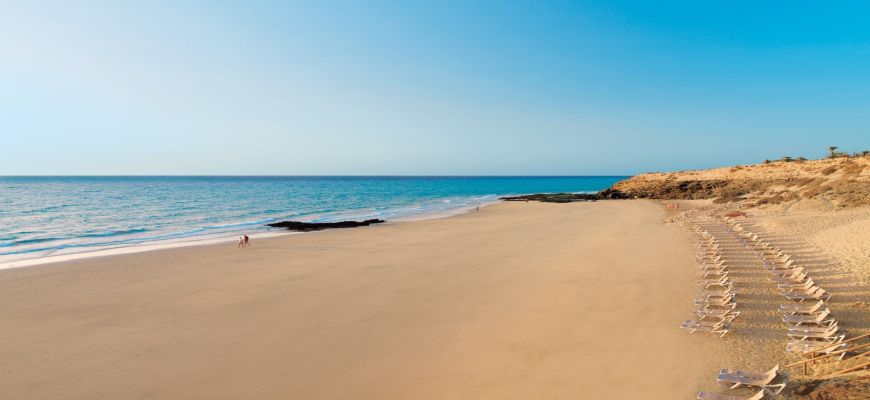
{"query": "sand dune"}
pixel 818 184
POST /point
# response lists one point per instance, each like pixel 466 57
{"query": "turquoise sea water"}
pixel 42 216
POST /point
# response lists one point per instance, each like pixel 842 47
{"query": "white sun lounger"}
pixel 765 245
pixel 801 308
pixel 791 287
pixel 816 318
pixel 708 241
pixel 707 268
pixel 786 272
pixel 714 298
pixel 790 265
pixel 693 326
pixel 775 256
pixel 777 263
pixel 726 301
pixel 814 292
pixel 737 378
pixel 724 314
pixel 782 269
pixel 816 346
pixel 713 274
pixel 816 327
pixel 726 304
pixel 725 291
pixel 746 235
pixel 766 248
pixel 796 277
pixel 767 251
pixel 717 396
pixel 710 259
pixel 711 264
pixel 721 281
pixel 828 334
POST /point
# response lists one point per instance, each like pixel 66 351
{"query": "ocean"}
pixel 47 216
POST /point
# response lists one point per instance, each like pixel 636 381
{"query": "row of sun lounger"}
pixel 812 329
pixel 716 307
pixel 811 326
pixel 715 301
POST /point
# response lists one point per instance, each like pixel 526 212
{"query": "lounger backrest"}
pixel 757 396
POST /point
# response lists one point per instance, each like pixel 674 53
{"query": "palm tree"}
pixel 833 150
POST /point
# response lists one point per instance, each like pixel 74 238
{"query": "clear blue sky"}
pixel 435 87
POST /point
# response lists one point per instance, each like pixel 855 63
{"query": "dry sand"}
pixel 517 301
pixel 843 235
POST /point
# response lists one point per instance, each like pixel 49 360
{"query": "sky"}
pixel 426 87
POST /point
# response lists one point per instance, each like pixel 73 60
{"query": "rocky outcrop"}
pixel 839 182
pixel 606 194
pixel 692 189
pixel 319 226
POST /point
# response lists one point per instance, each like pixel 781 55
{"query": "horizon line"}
pixel 313 176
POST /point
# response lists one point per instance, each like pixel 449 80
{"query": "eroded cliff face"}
pixel 839 182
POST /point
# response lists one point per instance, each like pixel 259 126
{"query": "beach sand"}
pixel 834 245
pixel 516 301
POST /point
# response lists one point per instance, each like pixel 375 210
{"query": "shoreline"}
pixel 193 241
pixel 47 216
pixel 203 240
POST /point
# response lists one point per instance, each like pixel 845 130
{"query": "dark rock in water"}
pixel 554 197
pixel 319 226
pixel 612 194
pixel 606 194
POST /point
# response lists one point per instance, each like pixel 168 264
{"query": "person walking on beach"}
pixel 241 242
pixel 247 240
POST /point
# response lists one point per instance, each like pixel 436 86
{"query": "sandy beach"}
pixel 516 301
pixel 519 300
pixel 471 201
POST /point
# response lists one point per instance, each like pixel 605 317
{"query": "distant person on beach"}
pixel 241 242
pixel 247 240
pixel 476 209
